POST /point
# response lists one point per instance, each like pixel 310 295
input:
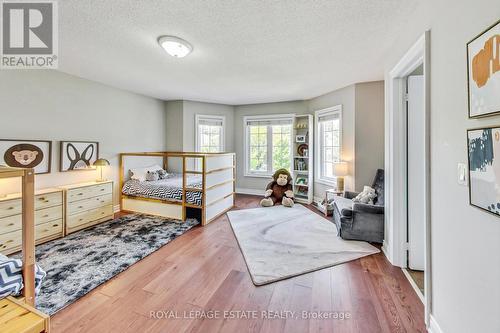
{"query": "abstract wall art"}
pixel 78 155
pixel 36 154
pixel 484 168
pixel 483 73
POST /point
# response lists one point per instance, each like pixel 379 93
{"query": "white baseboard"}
pixel 250 191
pixel 433 326
pixel 116 208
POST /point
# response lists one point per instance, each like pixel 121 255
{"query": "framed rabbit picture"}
pixel 78 155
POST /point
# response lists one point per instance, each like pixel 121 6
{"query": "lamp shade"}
pixel 340 169
pixel 101 162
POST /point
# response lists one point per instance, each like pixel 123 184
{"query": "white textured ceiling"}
pixel 245 51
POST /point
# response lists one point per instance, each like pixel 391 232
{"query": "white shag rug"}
pixel 280 242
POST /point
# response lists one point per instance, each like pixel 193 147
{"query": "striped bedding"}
pixel 169 188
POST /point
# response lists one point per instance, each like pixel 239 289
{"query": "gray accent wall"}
pixel 257 184
pixel 50 105
pixel 369 131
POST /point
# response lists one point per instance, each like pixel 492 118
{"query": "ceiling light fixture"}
pixel 175 46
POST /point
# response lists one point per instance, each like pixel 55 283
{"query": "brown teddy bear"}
pixel 279 190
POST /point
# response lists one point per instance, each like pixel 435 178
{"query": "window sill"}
pixel 258 175
pixel 325 182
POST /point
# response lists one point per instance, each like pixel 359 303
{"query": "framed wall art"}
pixel 36 154
pixel 484 168
pixel 483 73
pixel 78 155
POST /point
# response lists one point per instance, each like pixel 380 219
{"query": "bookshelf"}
pixel 303 178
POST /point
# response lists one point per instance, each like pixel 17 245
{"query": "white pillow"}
pixel 140 173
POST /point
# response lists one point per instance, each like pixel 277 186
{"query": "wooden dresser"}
pixel 88 204
pixel 49 215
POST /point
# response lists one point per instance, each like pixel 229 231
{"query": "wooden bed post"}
pixel 204 195
pixel 183 188
pixel 28 235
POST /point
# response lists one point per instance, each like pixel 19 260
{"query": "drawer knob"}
pixel 80 193
pixel 80 207
pixel 46 215
pixel 102 189
pixel 10 224
pixel 10 208
pixel 80 220
pixel 55 225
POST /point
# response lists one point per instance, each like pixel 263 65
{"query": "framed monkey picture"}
pixel 36 154
pixel 78 155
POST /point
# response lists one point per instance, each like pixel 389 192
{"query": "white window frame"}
pixel 337 109
pixel 197 137
pixel 246 144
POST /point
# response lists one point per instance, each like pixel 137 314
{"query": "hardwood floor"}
pixel 203 272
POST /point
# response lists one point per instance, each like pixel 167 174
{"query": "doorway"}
pixel 415 184
pixel 409 169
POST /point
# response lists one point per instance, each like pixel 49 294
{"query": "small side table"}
pixel 331 192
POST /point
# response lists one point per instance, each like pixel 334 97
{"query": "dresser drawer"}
pixel 14 239
pixel 48 214
pixel 10 207
pixel 48 229
pixel 89 192
pixel 11 223
pixel 73 222
pixel 80 206
pixel 48 200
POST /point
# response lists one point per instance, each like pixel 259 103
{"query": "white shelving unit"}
pixel 303 177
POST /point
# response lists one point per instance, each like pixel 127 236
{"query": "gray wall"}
pixel 174 128
pixel 345 97
pixel 369 129
pixel 191 109
pixel 50 105
pixel 257 183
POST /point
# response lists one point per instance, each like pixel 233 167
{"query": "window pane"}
pixel 336 138
pixel 258 148
pixel 281 146
pixel 329 170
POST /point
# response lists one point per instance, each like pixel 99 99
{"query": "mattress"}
pixel 169 188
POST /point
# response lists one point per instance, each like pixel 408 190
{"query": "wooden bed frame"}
pixel 28 228
pixel 218 171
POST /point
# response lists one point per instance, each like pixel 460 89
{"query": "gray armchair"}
pixel 357 221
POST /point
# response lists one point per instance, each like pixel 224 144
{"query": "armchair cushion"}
pixel 378 185
pixel 367 208
pixel 343 205
pixel 350 195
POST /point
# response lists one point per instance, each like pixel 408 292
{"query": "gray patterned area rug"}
pixel 80 262
pixel 280 242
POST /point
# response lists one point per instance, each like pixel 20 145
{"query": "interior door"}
pixel 416 172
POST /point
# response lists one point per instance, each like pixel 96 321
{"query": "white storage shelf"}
pixel 303 165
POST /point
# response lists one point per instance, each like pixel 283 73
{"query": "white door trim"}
pixel 394 245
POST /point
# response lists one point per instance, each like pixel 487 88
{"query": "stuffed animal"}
pixel 279 190
pixel 366 196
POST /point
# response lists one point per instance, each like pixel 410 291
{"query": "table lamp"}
pixel 340 171
pixel 100 163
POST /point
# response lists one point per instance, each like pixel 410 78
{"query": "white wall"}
pixel 465 240
pixel 50 105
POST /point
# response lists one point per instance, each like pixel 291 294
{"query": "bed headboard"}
pixel 138 161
